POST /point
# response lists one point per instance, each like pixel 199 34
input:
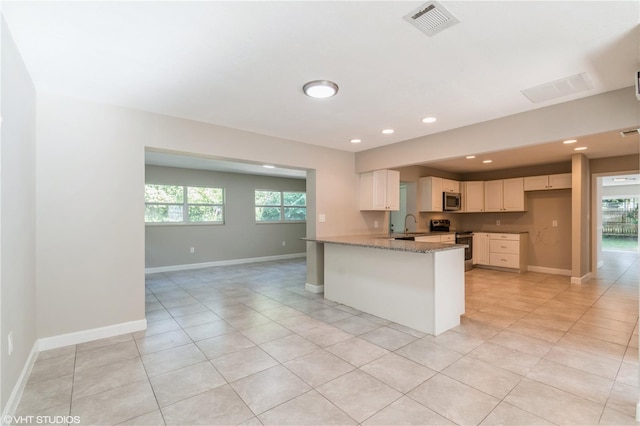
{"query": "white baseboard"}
pixel 91 334
pixel 314 288
pixel 222 263
pixel 545 270
pixel 16 394
pixel 58 342
pixel 581 280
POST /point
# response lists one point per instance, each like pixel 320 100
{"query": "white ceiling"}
pixel 242 64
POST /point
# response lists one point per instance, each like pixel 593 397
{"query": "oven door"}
pixel 468 240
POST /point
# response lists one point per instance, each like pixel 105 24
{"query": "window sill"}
pixel 184 224
pixel 275 222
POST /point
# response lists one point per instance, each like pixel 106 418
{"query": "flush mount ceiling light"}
pixel 355 140
pixel 470 157
pixel 429 120
pixel 387 131
pixel 268 166
pixel 580 148
pixel 487 161
pixel 568 141
pixel 320 89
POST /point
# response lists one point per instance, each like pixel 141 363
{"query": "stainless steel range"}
pixel 462 237
pixel 466 237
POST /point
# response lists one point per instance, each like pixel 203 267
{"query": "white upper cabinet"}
pixel 380 190
pixel 506 195
pixel 513 195
pixel 493 196
pixel 430 194
pixel 473 196
pixel 546 182
pixel 449 185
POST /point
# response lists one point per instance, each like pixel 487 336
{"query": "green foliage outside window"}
pixel 277 206
pixel 180 204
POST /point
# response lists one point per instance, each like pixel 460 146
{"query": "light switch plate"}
pixel 322 218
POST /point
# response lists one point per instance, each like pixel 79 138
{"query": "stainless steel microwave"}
pixel 451 201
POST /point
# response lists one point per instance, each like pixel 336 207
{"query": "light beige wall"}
pixel 627 163
pixel 90 177
pixel 581 215
pixel 538 170
pixel 239 238
pixel 17 215
pixel 596 114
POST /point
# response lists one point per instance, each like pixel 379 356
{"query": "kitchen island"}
pixel 416 284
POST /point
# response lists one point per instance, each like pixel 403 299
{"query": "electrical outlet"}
pixel 10 342
pixel 554 223
pixel 498 222
pixel 375 224
pixel 284 243
pixel 192 250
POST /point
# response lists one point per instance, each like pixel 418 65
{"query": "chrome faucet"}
pixel 406 229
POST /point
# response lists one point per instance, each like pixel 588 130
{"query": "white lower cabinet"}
pixel 448 239
pixel 500 250
pixel 445 239
pixel 480 248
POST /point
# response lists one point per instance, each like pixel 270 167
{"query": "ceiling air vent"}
pixel 559 88
pixel 632 132
pixel 431 18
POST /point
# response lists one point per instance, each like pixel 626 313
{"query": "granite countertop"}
pixel 386 242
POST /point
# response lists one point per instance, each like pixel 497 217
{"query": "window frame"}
pixel 280 206
pixel 185 207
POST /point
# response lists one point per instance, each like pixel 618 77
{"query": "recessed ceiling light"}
pixel 580 148
pixel 387 131
pixel 268 166
pixel 429 120
pixel 320 89
pixel 355 140
pixel 487 161
pixel 568 141
pixel 470 157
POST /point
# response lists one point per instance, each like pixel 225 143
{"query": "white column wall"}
pixel 17 213
pixel 90 177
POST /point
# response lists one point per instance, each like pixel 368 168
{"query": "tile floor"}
pixel 248 345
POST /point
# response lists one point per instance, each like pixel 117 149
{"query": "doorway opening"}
pixel 619 223
pixel 616 199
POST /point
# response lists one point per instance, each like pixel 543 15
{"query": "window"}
pixel 183 204
pixel 280 206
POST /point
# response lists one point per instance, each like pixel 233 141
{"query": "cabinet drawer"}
pixel 448 239
pixel 512 237
pixel 504 246
pixel 428 239
pixel 504 260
